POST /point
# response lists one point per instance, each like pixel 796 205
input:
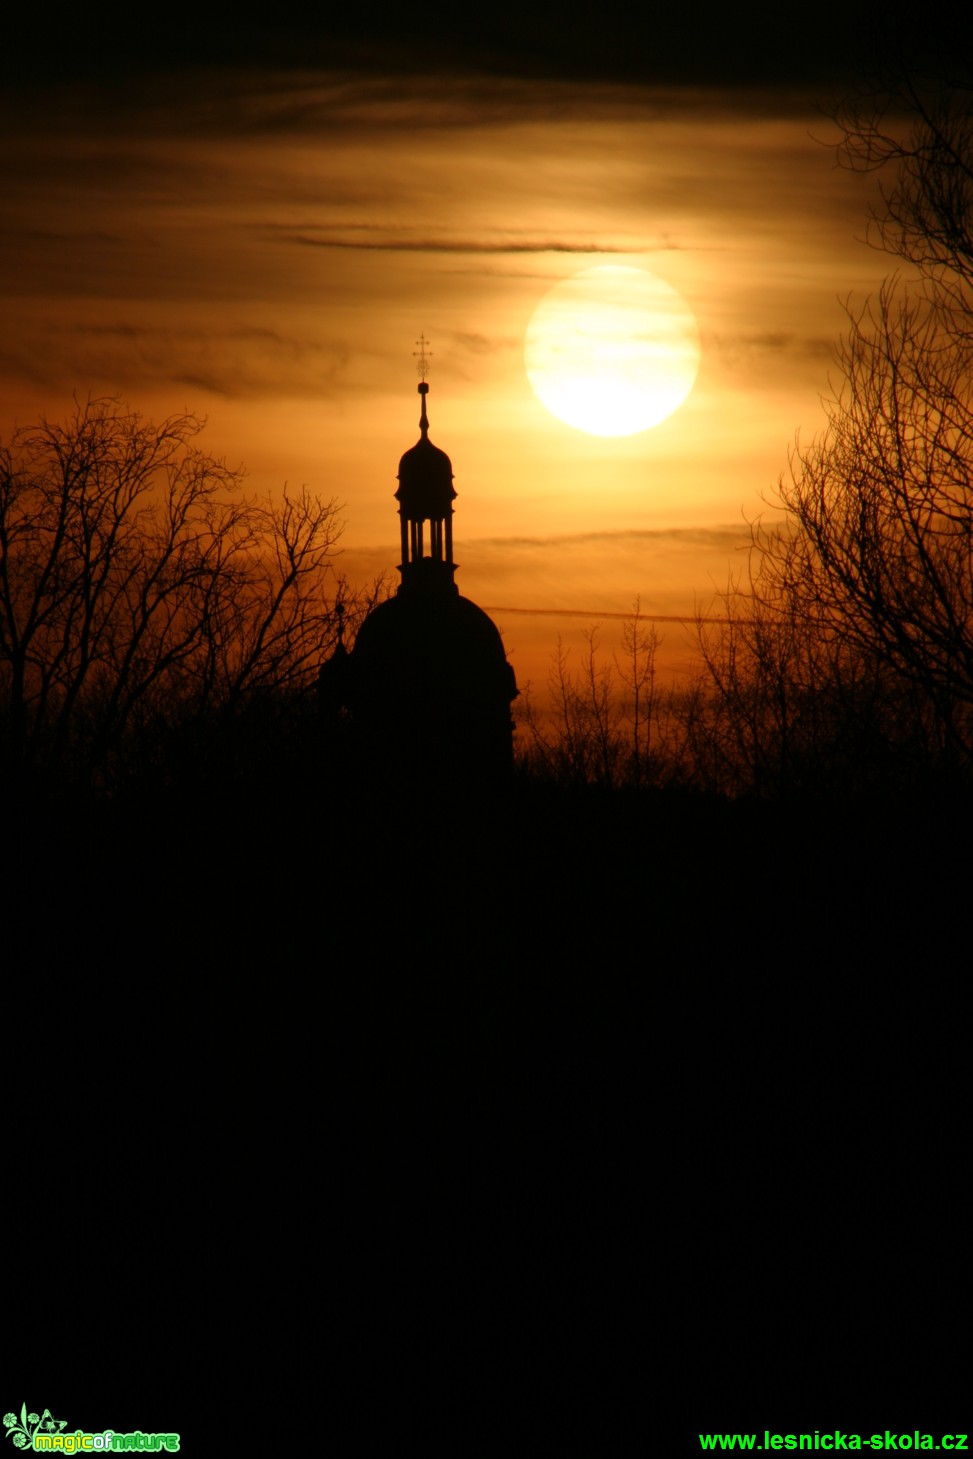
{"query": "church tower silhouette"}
pixel 427 684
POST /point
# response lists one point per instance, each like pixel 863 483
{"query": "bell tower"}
pixel 427 686
pixel 425 496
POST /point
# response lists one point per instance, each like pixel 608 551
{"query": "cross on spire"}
pixel 422 357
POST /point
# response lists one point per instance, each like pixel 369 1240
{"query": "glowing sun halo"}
pixel 612 351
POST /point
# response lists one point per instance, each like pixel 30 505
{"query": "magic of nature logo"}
pixel 42 1433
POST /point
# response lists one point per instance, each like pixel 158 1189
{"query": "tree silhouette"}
pixel 606 723
pixel 140 589
pixel 876 548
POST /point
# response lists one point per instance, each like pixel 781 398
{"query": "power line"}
pixel 597 615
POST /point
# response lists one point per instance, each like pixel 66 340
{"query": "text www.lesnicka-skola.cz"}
pixel 833 1440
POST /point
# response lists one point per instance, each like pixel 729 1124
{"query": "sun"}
pixel 612 351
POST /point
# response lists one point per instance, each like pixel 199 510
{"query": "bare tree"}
pixel 917 130
pixel 877 547
pixel 782 705
pixel 576 742
pixel 138 586
pixel 636 669
pixel 606 723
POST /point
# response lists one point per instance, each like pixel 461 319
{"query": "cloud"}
pixel 247 361
pixel 456 245
pixel 719 538
pixel 766 349
pixel 326 102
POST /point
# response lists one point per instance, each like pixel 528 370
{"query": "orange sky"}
pixel 266 252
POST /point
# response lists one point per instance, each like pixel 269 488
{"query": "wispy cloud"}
pixel 233 363
pixel 455 245
pixel 719 537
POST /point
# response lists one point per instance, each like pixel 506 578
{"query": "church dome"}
pixel 425 476
pixel 439 647
pixel 434 674
pixel 425 481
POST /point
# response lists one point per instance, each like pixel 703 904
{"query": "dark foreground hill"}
pixel 559 1122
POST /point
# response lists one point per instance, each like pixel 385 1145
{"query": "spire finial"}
pixel 422 357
